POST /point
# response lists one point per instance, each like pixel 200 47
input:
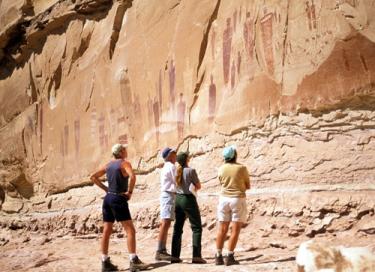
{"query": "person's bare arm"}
pixel 247 183
pixel 129 171
pixel 95 179
pixel 198 185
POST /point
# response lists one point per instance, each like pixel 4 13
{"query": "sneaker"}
pixel 175 260
pixel 198 260
pixel 219 260
pixel 107 266
pixel 230 260
pixel 136 264
pixel 162 256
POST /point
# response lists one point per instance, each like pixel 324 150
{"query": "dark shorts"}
pixel 115 207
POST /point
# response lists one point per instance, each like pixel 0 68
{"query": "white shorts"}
pixel 167 205
pixel 232 209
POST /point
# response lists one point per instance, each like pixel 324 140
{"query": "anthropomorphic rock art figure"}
pixel 93 124
pixel 233 75
pixel 172 82
pixel 267 39
pixel 227 49
pixel 248 36
pixel 239 63
pixel 181 109
pixel 125 89
pixel 156 109
pixel 211 100
pixel 77 135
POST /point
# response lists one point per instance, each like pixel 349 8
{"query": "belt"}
pixel 113 193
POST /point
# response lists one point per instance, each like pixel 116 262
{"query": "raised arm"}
pixel 129 171
pixel 95 179
pixel 196 180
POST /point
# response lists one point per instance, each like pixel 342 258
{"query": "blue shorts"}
pixel 115 207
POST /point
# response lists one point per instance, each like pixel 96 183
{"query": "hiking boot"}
pixel 230 260
pixel 175 260
pixel 198 260
pixel 219 260
pixel 162 256
pixel 107 266
pixel 136 264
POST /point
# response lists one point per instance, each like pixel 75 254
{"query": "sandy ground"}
pixel 81 253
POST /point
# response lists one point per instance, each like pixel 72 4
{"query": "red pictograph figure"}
pixel 102 134
pixel 62 148
pixel 172 81
pixel 238 62
pixel 311 16
pixel 66 139
pixel 248 36
pixel 181 108
pixel 267 38
pixel 211 100
pixel 213 37
pixel 77 134
pixel 160 89
pixel 125 89
pixel 137 108
pixel 113 121
pixel 233 75
pixel 93 123
pixel 150 111
pixel 235 20
pixel 227 48
pixel 156 109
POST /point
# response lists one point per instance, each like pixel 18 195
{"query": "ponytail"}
pixel 180 170
pixel 182 159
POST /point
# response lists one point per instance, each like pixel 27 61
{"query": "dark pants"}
pixel 187 206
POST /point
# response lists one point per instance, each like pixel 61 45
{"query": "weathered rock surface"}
pixel 291 83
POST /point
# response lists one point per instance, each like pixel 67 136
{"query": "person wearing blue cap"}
pixel 167 201
pixel 234 180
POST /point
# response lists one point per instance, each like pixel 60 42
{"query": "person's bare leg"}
pixel 163 230
pixel 235 232
pixel 130 235
pixel 221 234
pixel 107 231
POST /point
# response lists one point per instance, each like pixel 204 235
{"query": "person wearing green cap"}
pixel 234 180
pixel 186 207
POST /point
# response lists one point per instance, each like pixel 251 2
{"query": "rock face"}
pixel 290 82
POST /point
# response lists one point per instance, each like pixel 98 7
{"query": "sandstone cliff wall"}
pixel 290 82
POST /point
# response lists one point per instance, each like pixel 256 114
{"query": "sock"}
pixel 132 256
pixel 230 253
pixel 104 257
pixel 161 246
pixel 219 252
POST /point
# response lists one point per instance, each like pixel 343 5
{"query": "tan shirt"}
pixel 234 178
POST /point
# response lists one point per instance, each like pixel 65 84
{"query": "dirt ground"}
pixel 81 253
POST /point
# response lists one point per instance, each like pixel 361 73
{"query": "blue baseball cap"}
pixel 166 151
pixel 229 152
